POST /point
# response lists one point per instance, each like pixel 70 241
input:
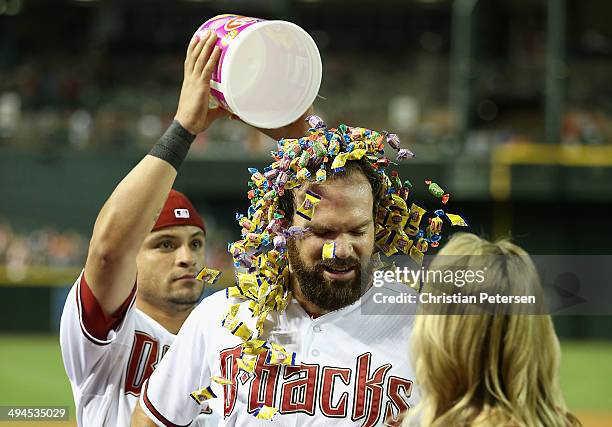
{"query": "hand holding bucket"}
pixel 269 72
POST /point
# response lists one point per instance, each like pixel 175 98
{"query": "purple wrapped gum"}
pixel 271 174
pixel 393 140
pixel 404 154
pixel 315 122
pixel 281 179
pixel 280 242
pixel 295 231
pixel 284 163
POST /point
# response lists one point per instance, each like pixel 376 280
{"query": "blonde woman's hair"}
pixel 486 369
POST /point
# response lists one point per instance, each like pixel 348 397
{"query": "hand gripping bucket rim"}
pixel 308 96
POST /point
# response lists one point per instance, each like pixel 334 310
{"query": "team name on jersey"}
pixel 310 387
pixel 144 357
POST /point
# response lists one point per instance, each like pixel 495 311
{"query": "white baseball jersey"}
pixel 353 367
pixel 107 358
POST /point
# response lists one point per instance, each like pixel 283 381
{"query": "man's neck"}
pixel 170 320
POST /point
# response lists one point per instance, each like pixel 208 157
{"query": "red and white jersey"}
pixel 107 358
pixel 353 367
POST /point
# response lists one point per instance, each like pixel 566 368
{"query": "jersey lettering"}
pixel 368 390
pixel 263 386
pixel 229 370
pixel 141 363
pixel 397 404
pixel 327 391
pixel 301 386
pixel 298 394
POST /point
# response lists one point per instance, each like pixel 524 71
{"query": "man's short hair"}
pixel 363 165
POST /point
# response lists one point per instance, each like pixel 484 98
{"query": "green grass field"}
pixel 32 373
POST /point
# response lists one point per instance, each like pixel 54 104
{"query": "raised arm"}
pixel 131 211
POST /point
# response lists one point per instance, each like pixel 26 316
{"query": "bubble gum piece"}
pixel 435 225
pixel 329 250
pixel 203 395
pixel 271 174
pixel 303 174
pixel 321 175
pixel 422 245
pixel 234 292
pixel 284 163
pixel 247 365
pixel 356 154
pixel 295 231
pixel 319 149
pixel 383 162
pixel 393 141
pixel 405 154
pixel 240 330
pixel 339 161
pixel 315 122
pixel 247 224
pixel 280 242
pixel 434 189
pixel 309 205
pixel 304 159
pixel 265 412
pixel 258 179
pixel 416 213
pixel 221 380
pixel 396 182
pixel 208 275
pixel 456 220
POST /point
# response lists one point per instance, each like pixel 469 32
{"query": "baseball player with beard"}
pixel 353 368
pixel 138 287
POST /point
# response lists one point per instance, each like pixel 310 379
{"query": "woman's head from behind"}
pixel 476 364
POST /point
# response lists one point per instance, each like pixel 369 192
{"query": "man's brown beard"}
pixel 327 294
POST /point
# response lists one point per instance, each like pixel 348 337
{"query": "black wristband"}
pixel 173 145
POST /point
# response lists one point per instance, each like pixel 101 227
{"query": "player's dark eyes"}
pixel 197 244
pixel 165 244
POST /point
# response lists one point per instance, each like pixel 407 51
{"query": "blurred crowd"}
pixel 90 103
pixel 39 247
pixel 22 252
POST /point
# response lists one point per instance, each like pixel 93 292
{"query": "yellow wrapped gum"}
pixel 203 395
pixel 329 250
pixel 307 209
pixel 208 275
pixel 265 412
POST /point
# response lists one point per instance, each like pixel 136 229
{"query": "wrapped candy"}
pixel 277 355
pixel 321 175
pixel 265 412
pixel 315 122
pixel 437 191
pixel 203 395
pixel 247 365
pixel 280 242
pixel 221 380
pixel 307 209
pixel 456 220
pixel 393 141
pixel 208 275
pixel 303 175
pixel 404 154
pixel 329 250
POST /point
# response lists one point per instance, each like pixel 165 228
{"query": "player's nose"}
pixel 344 247
pixel 185 256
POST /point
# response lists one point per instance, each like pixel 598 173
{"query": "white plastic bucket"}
pixel 269 72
